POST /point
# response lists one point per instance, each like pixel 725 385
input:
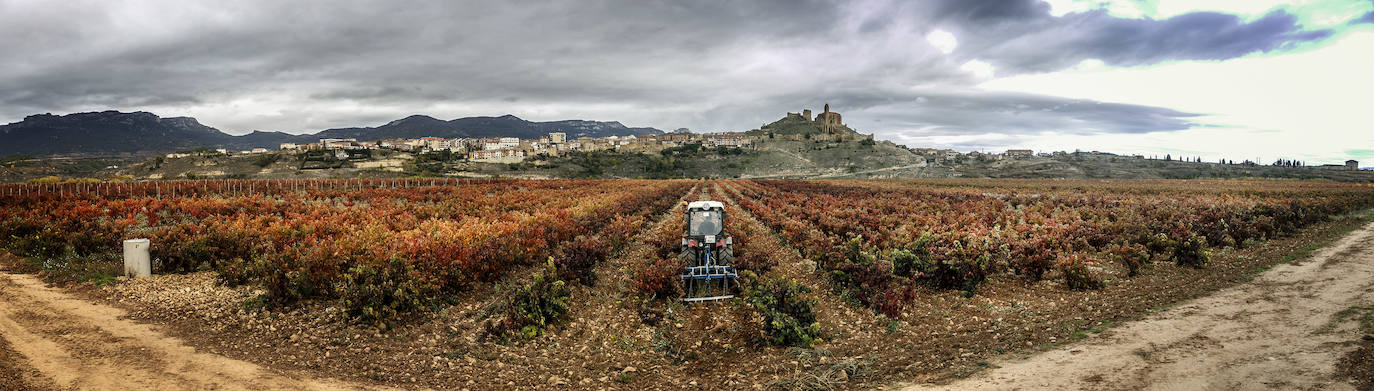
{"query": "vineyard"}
pixel 879 241
pixel 829 266
pixel 304 239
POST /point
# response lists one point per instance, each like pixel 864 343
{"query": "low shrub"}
pixel 1192 252
pixel 622 229
pixel 753 251
pixel 892 302
pixel 186 250
pixel 88 238
pixel 960 260
pixel 29 239
pixel 661 279
pixel 100 268
pixel 296 275
pixel 905 262
pixel 530 309
pixel 377 295
pixel 788 315
pixel 1130 255
pixel 238 271
pixel 872 283
pixel 1033 257
pixel 1077 273
pixel 872 279
pixel 576 260
pixel 1161 248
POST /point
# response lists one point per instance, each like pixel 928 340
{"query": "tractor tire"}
pixel 689 258
pixel 725 257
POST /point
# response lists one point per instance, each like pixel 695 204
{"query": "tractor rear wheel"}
pixel 725 257
pixel 688 257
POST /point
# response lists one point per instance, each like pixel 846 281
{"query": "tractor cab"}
pixel 706 249
pixel 705 220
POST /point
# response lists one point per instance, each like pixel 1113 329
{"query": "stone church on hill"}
pixel 827 121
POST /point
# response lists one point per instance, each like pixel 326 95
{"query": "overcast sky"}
pixel 1238 79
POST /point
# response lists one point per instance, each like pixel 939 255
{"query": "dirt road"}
pixel 1285 330
pixel 57 341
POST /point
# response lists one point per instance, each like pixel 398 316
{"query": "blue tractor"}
pixel 706 249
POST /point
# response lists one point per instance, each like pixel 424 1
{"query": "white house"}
pixel 337 142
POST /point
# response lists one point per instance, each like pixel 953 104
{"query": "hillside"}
pixel 417 126
pixel 110 133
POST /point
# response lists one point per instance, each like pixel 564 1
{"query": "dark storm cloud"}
pixel 990 12
pixel 708 65
pixel 1021 36
pixel 1367 18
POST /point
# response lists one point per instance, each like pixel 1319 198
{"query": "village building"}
pixel 434 143
pixel 332 143
pixel 1350 165
pixel 1019 153
pixel 728 140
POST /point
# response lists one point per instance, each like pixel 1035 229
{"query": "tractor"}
pixel 706 249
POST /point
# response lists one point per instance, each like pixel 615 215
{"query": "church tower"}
pixel 829 120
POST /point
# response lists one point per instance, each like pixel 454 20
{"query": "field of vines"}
pixel 386 247
pixel 881 241
pixel 381 245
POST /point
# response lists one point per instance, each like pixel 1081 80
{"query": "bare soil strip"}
pixel 76 344
pixel 1287 329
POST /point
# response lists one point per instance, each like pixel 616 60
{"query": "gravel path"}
pixel 1287 329
pixel 76 344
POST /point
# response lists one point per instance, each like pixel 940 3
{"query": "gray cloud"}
pixel 1020 36
pixel 1013 114
pixel 706 65
pixel 1367 18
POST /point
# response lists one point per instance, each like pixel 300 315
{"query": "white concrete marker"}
pixel 137 263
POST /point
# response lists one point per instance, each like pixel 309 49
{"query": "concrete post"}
pixel 137 263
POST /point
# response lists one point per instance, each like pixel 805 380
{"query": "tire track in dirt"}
pixel 1283 330
pixel 81 345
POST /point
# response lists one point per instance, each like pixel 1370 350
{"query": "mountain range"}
pixel 114 132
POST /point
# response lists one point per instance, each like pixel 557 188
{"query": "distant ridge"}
pixel 114 132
